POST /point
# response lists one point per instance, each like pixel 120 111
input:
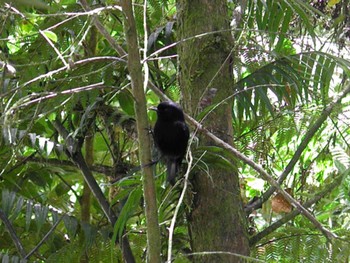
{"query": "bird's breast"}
pixel 171 138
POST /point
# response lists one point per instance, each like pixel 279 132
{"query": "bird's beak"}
pixel 153 108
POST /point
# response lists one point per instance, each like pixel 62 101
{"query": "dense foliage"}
pixel 65 90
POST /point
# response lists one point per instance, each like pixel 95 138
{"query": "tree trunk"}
pixel 217 222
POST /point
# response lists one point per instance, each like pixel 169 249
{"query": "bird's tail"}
pixel 172 169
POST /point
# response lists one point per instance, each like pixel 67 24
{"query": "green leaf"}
pixel 51 35
pixel 18 208
pixel 29 209
pixel 215 156
pixel 41 213
pixel 126 102
pixel 129 207
pixel 8 200
pixel 71 224
pixel 90 233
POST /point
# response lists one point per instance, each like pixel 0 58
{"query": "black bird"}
pixel 171 136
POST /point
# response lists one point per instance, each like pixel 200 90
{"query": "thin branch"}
pixel 102 169
pixel 42 33
pixel 61 23
pixel 264 175
pixel 33 98
pixel 78 159
pixel 103 31
pixel 48 40
pixel 13 234
pixel 145 45
pixel 59 70
pixel 43 239
pixel 95 11
pixel 70 188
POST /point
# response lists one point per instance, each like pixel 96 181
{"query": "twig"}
pixel 33 98
pixel 70 188
pixel 61 69
pixel 104 31
pixel 48 40
pixel 122 169
pixel 179 203
pixel 95 11
pixel 42 33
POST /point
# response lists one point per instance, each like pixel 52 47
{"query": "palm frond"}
pixel 301 78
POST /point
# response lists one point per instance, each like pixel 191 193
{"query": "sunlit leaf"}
pixel 51 35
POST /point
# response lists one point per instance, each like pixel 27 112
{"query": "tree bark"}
pixel 217 222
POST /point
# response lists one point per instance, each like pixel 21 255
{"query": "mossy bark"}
pixel 216 221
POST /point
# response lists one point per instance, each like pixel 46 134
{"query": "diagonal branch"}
pixel 307 138
pixel 44 238
pixel 335 182
pixel 264 175
pixel 61 69
pixel 75 154
pixel 103 31
pixel 258 167
pixel 13 234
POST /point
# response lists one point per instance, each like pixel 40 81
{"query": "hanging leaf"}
pixel 17 210
pixel 129 207
pixel 51 35
pixel 71 225
pixel 29 209
pixel 49 147
pixel 40 213
pixel 42 143
pixel 8 201
pixel 90 234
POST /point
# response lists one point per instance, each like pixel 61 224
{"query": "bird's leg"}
pixel 150 163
